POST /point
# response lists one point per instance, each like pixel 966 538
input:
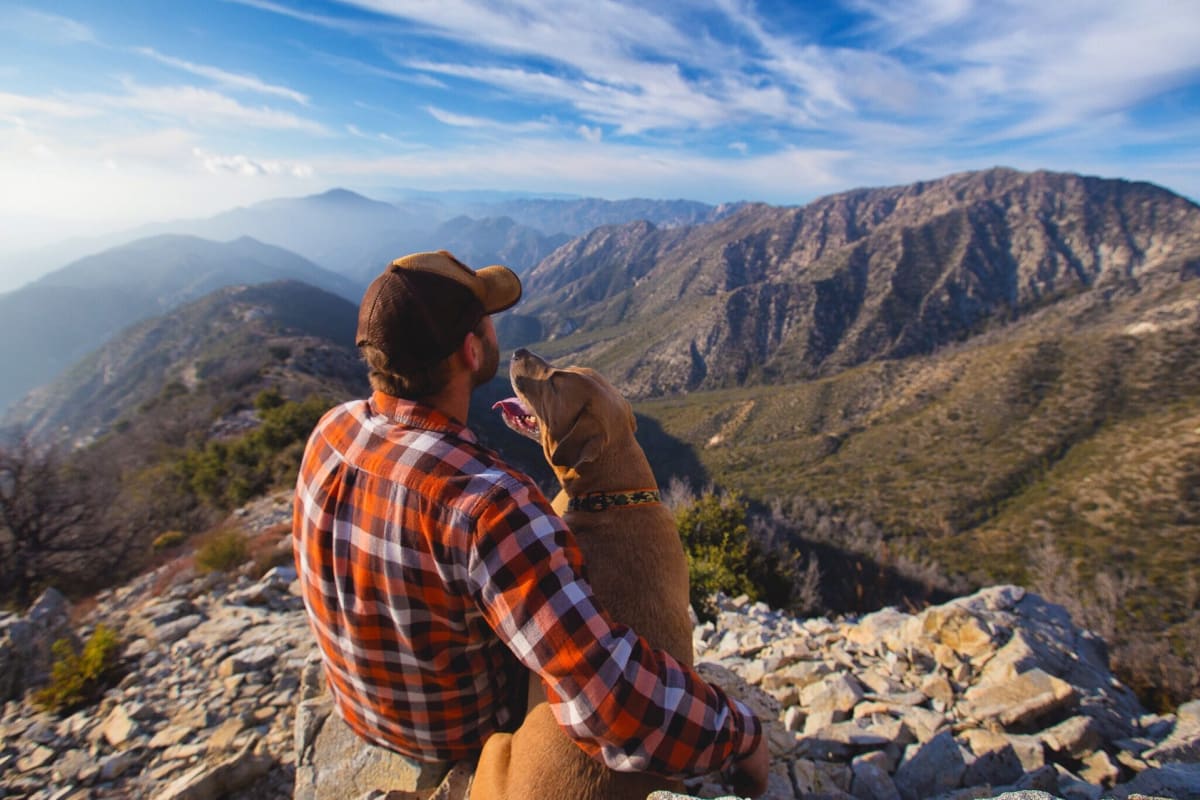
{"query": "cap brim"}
pixel 501 288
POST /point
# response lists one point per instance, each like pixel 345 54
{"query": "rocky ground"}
pixel 990 694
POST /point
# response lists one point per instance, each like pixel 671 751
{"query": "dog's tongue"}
pixel 518 417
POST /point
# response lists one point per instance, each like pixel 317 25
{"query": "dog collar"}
pixel 602 501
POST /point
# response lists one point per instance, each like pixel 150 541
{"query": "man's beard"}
pixel 491 363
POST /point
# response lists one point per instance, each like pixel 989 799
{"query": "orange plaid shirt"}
pixel 433 573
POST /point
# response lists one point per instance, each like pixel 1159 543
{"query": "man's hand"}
pixel 748 775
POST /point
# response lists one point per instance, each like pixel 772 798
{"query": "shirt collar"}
pixel 418 415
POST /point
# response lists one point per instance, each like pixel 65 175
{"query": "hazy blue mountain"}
pixel 356 236
pixel 49 324
pixel 205 357
pixel 578 216
pixel 477 242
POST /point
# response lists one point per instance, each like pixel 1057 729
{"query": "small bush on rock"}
pixel 166 541
pixel 78 677
pixel 716 541
pixel 223 551
pixel 729 552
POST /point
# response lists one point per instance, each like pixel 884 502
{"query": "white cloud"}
pixel 43 26
pixel 18 106
pixel 353 66
pixel 483 123
pixel 1034 68
pixel 664 103
pixel 250 167
pixel 79 188
pixel 203 107
pixel 597 38
pixel 603 169
pixel 615 63
pixel 323 20
pixel 231 80
pixel 590 134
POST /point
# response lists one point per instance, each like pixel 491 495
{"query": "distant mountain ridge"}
pixel 47 326
pixel 774 294
pixel 239 339
pixel 575 217
pixel 355 236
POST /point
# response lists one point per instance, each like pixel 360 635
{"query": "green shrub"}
pixel 728 551
pixel 78 677
pixel 716 540
pixel 230 472
pixel 166 541
pixel 223 551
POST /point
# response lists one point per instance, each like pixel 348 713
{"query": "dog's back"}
pixel 638 570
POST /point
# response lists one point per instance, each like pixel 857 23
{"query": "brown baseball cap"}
pixel 418 311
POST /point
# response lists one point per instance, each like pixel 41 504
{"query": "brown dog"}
pixel 635 564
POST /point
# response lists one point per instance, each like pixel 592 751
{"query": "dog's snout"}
pixel 519 353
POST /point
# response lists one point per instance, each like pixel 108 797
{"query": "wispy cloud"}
pixel 941 69
pixel 483 123
pixel 604 169
pixel 353 66
pixel 1032 68
pixel 323 20
pixel 225 78
pixel 15 106
pixel 246 166
pixel 42 26
pixel 204 107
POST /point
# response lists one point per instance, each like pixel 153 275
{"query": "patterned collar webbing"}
pixel 602 501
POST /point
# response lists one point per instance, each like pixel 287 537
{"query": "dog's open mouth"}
pixel 518 417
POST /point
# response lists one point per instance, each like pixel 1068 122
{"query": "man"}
pixel 435 575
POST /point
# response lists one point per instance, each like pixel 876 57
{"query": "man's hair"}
pixel 414 383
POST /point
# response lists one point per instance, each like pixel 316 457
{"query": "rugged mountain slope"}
pixel 1058 454
pixel 773 294
pixel 203 359
pixel 48 325
pixel 992 375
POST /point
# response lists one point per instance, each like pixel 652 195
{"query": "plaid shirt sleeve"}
pixel 633 707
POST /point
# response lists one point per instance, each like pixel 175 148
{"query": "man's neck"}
pixel 454 400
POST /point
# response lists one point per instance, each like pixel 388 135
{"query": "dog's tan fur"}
pixel 635 564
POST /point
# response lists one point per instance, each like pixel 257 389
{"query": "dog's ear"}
pixel 581 444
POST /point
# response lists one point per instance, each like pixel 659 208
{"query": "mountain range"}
pixel 201 362
pixel 780 294
pixel 338 240
pixel 50 324
pixel 354 235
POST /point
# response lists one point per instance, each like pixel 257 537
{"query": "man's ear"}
pixel 581 444
pixel 471 351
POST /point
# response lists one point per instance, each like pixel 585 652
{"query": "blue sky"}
pixel 113 113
